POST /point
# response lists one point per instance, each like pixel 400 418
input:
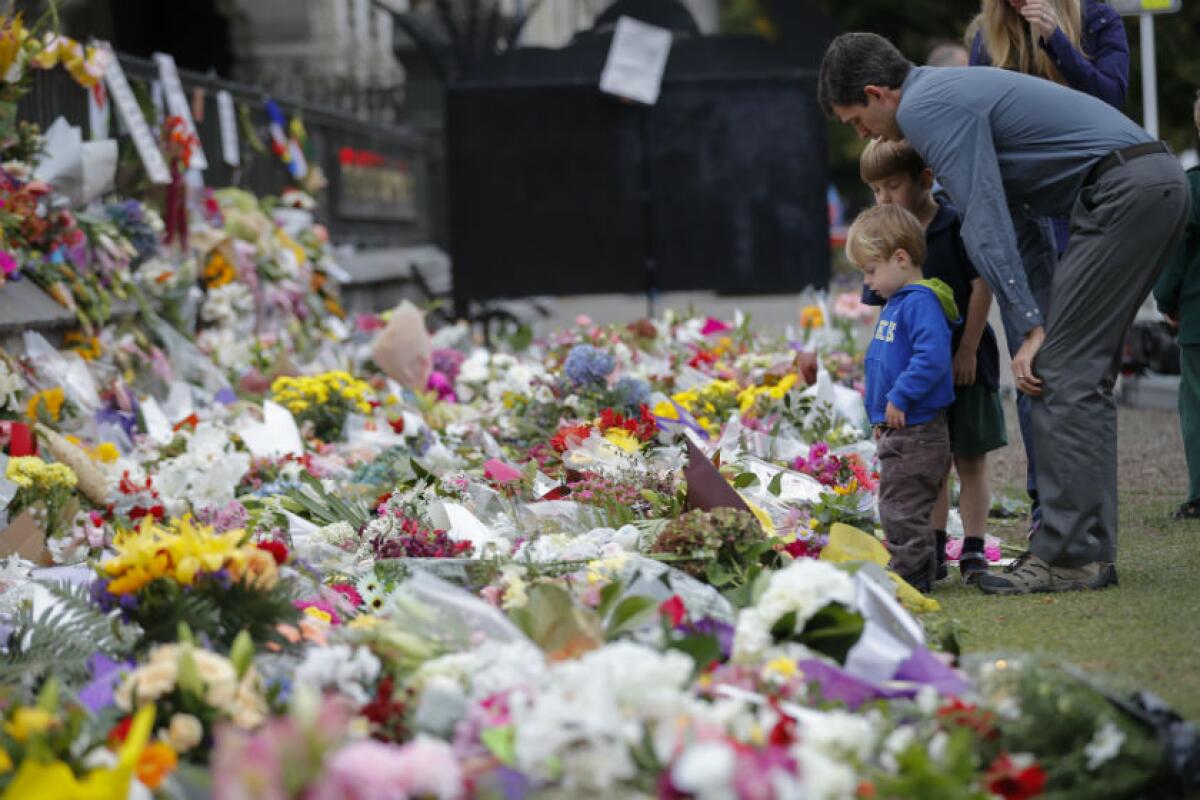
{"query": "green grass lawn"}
pixel 1144 634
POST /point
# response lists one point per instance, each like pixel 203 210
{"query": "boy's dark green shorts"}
pixel 976 420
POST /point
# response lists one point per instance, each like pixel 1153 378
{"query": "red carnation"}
pixel 1014 781
pixel 278 550
pixel 674 609
pixel 118 732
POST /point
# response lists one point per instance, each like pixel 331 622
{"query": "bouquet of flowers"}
pixel 323 401
pixel 49 489
pixel 182 572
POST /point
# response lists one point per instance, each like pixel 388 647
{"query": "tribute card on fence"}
pixel 229 132
pixel 636 62
pixel 131 115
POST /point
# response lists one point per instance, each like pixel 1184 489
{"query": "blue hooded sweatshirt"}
pixel 909 361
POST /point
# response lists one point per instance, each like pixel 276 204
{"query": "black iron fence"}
pixel 377 192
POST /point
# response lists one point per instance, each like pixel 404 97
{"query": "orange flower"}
pixel 218 271
pixel 158 761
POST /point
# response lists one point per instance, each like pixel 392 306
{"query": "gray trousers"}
pixel 1124 227
pixel 913 462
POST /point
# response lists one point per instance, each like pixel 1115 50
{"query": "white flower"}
pixel 579 724
pixel 706 770
pixel 841 735
pixel 11 385
pixel 826 778
pixel 340 668
pixel 804 587
pixel 1105 745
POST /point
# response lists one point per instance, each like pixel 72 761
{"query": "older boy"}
pixel 909 383
pixel 897 175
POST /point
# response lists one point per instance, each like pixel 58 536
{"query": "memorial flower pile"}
pixel 635 561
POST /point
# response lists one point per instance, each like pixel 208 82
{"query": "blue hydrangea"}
pixel 631 394
pixel 586 365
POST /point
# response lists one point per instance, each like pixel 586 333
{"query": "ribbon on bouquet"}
pixel 175 216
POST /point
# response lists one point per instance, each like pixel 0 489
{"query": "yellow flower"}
pixel 38 780
pixel 782 668
pixel 811 317
pixel 849 488
pixel 31 472
pixel 6 763
pixel 666 410
pixel 28 722
pixel 623 439
pixel 317 613
pixel 12 37
pixel 179 552
pixel 106 453
pixel 51 401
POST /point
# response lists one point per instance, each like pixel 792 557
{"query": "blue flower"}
pixel 585 364
pixel 631 394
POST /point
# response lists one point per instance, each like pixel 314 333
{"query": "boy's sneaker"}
pixel 971 565
pixel 939 542
pixel 1189 510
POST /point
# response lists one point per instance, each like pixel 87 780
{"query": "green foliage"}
pixel 60 640
pixel 219 612
pixel 919 775
pixel 724 547
pixel 831 631
pixel 323 507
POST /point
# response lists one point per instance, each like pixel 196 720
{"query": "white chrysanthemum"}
pixel 804 587
pixel 340 668
pixel 585 715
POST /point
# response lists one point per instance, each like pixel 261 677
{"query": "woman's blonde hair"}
pixel 1011 45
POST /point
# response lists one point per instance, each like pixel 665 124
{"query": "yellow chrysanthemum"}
pixel 28 722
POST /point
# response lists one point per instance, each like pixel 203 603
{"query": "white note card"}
pixel 230 150
pixel 636 61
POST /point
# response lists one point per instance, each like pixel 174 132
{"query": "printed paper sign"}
pixel 131 115
pixel 177 103
pixel 636 61
pixel 229 132
pixel 1132 7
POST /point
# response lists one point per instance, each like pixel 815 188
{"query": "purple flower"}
pixel 97 694
pixel 721 631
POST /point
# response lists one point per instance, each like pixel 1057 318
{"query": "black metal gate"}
pixel 556 188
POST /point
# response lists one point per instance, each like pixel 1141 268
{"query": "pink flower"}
pixel 713 325
pixel 371 770
pixel 8 264
pixel 496 470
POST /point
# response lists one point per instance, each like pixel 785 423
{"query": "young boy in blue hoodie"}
pixel 910 383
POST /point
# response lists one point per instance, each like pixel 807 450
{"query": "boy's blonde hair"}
pixel 880 231
pixel 881 160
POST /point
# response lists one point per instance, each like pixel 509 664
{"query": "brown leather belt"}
pixel 1118 157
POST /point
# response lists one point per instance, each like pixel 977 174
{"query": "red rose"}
pixel 278 550
pixel 1013 781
